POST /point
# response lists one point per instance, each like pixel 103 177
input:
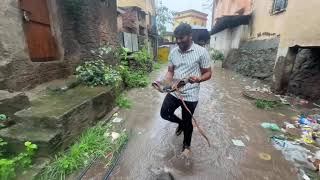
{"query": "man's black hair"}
pixel 182 30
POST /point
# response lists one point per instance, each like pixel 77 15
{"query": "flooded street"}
pixel 225 115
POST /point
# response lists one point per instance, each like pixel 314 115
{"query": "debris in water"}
pixel 117 120
pixel 139 133
pixel 238 142
pixel 115 135
pixel 272 126
pixel 265 156
pixel 247 137
pixel 289 125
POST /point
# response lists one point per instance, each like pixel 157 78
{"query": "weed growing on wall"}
pixel 216 55
pixel 10 164
pixel 95 142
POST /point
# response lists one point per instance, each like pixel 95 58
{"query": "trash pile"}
pixel 299 142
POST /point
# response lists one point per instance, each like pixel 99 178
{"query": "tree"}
pixel 164 17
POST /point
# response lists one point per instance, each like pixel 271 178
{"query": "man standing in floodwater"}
pixel 192 61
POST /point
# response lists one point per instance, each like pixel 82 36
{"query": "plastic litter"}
pixel 265 156
pixel 293 152
pixel 289 125
pixel 115 135
pixel 117 120
pixel 271 126
pixel 238 142
pixel 304 121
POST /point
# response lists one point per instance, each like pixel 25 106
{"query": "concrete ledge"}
pixel 54 120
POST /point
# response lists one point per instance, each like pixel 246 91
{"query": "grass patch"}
pixel 95 142
pixel 157 66
pixel 267 105
pixel 123 102
pixel 137 79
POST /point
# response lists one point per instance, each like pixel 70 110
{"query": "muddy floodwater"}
pixel 225 115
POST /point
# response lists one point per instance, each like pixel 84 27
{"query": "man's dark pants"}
pixel 169 106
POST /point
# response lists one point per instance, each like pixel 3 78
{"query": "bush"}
pixel 142 56
pixel 9 166
pixel 216 55
pixel 133 79
pixel 95 73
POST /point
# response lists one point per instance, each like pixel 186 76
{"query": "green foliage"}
pixel 3 117
pixel 93 143
pixel 8 166
pixel 2 146
pixel 133 79
pixel 157 66
pixel 136 80
pixel 123 102
pixel 216 55
pixel 95 73
pixel 267 105
pixel 142 56
pixel 7 169
pixel 164 17
pixel 121 53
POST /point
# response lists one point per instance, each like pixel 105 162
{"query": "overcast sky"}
pixel 181 5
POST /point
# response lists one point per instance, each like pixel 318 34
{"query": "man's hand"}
pixel 194 79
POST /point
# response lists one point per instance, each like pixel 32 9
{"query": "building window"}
pixel 279 6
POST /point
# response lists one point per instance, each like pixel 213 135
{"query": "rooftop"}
pixel 190 11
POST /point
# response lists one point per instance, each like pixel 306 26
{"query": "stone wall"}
pixel 96 24
pixel 254 58
pixel 305 77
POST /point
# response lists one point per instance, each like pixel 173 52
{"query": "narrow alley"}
pixel 225 115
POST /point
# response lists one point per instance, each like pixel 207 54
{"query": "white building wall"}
pixel 229 39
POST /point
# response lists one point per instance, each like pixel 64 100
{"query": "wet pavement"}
pixel 225 115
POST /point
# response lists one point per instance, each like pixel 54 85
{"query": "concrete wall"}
pixel 298 25
pixel 75 39
pixel 231 7
pixel 229 39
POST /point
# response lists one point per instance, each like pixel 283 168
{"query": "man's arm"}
pixel 205 68
pixel 206 74
pixel 169 74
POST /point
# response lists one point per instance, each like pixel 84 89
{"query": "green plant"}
pixel 95 73
pixel 2 145
pixel 121 53
pixel 95 142
pixel 8 167
pixel 133 79
pixel 3 117
pixel 102 51
pixel 216 55
pixel 143 59
pixel 157 66
pixel 123 102
pixel 142 56
pixel 267 105
pixel 136 80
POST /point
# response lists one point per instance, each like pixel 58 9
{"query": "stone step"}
pixel 12 102
pixel 48 140
pixel 72 111
pixel 53 110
